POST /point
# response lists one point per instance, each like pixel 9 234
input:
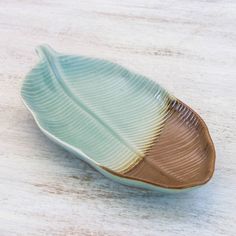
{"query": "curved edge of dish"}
pixel 125 179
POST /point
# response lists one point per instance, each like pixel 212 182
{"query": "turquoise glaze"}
pixel 98 110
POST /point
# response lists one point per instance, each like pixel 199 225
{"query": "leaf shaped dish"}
pixel 123 124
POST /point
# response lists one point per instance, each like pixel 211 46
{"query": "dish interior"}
pixel 124 122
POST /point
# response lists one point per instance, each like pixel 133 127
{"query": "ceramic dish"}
pixel 122 123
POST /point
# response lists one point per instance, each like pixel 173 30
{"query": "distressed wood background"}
pixel 188 46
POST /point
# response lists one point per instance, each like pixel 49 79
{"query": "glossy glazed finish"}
pixel 182 156
pixel 120 122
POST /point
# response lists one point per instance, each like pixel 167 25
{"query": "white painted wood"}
pixel 188 46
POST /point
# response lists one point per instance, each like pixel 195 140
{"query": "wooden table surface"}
pixel 188 46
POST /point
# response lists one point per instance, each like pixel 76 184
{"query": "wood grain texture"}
pixel 189 47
